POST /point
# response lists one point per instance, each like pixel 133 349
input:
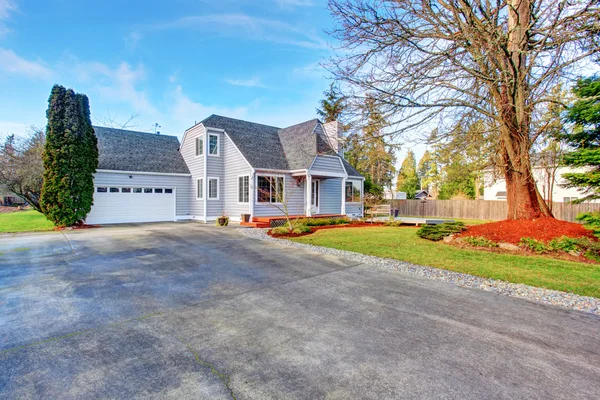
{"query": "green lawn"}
pixel 24 221
pixel 403 244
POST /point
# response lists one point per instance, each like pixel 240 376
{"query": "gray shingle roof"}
pixel 290 148
pixel 123 150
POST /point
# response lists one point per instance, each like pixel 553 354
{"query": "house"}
pixel 422 195
pixel 223 166
pixel 548 181
pixel 8 198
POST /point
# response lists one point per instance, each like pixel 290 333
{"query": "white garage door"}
pixel 113 205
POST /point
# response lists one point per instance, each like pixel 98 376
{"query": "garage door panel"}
pixel 117 207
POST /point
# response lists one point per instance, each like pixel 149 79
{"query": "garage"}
pixel 132 204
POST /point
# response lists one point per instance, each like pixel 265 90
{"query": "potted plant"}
pixel 223 220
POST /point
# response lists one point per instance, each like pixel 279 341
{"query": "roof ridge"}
pixel 134 132
pixel 316 121
pixel 238 119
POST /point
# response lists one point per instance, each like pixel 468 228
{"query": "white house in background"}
pixel 223 166
pixel 495 187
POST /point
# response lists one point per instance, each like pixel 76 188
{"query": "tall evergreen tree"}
pixel 368 150
pixel 332 105
pixel 427 171
pixel 70 158
pixel 584 114
pixel 408 180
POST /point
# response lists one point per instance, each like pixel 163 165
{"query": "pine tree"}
pixel 70 158
pixel 333 105
pixel 584 114
pixel 427 171
pixel 408 180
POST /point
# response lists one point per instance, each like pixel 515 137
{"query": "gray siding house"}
pixel 224 166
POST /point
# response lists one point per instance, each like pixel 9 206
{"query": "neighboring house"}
pixel 223 166
pixel 422 195
pixel 9 198
pixel 495 187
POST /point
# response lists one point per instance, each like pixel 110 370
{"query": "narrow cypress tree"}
pixel 70 158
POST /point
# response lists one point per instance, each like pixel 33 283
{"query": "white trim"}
pixel 218 136
pixel 183 217
pixel 343 208
pixel 328 174
pixel 205 182
pixel 218 188
pixel 307 205
pixel 197 187
pixel 113 171
pixel 238 189
pixel 280 171
pixel 174 204
pixel 215 129
pixel 252 193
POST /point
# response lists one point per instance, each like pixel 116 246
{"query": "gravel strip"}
pixel 539 295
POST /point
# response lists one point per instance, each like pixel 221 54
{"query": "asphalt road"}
pixel 191 311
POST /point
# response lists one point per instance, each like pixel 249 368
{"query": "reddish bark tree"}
pixel 425 60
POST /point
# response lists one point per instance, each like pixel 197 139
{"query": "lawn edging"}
pixel 536 294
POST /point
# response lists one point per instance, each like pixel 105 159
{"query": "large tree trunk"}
pixel 523 198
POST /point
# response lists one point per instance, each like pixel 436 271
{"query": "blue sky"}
pixel 172 62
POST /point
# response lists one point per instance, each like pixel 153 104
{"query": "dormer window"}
pixel 199 146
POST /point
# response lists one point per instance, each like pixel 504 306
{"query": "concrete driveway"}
pixel 191 311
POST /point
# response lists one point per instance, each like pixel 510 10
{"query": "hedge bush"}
pixel 440 231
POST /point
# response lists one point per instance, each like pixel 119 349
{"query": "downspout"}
pixel 204 180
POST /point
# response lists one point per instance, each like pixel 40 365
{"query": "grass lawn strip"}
pixel 385 246
pixel 24 221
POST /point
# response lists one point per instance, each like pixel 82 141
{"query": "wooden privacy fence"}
pixel 479 209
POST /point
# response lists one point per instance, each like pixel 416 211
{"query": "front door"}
pixel 315 194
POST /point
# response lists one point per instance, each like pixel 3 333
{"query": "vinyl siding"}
pixel 331 196
pixel 215 169
pixel 196 167
pixel 354 209
pixel 327 164
pixel 180 183
pixel 235 165
pixel 294 194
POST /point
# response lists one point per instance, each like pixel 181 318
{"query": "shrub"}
pixel 534 245
pixel 440 231
pixel 393 223
pixel 479 241
pixel 300 228
pixel 322 221
pixel 591 220
pixel 280 230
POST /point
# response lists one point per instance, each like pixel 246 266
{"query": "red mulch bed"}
pixel 544 229
pixel 318 228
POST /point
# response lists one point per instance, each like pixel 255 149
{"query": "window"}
pixel 147 190
pixel 199 145
pixel 213 188
pixel 168 190
pixel 569 199
pixel 200 189
pixel 352 193
pixel 114 190
pixel 137 190
pixel 270 189
pixel 243 189
pixel 126 190
pixel 158 190
pixel 213 145
pixel 101 190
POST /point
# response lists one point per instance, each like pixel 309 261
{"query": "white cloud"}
pixel 254 82
pixel 184 111
pixel 247 26
pixel 7 7
pixel 295 3
pixel 13 64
